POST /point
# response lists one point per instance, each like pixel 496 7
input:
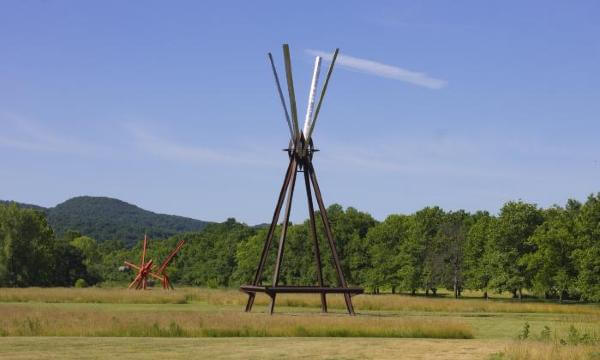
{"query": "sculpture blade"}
pixel 285 110
pixel 290 83
pixel 314 121
pixel 311 97
pixel 144 250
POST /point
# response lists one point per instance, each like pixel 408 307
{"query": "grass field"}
pixel 104 323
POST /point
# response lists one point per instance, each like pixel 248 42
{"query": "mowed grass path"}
pixel 244 348
pixel 118 322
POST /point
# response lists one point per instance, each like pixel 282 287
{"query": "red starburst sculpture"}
pixel 140 282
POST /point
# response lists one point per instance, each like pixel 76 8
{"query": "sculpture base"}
pixel 291 289
pixel 272 291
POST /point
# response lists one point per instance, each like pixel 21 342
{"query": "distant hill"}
pixel 262 226
pixel 24 205
pixel 105 218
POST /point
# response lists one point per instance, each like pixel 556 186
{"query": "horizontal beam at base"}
pixel 300 289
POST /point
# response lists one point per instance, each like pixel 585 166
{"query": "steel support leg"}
pixel 286 220
pixel 329 235
pixel 313 232
pixel 267 245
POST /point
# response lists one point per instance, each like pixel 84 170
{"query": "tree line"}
pixel 548 252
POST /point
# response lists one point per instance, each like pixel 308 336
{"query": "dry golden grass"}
pixel 233 297
pixel 95 295
pixel 19 320
pixel 549 351
pixel 400 303
pixel 421 304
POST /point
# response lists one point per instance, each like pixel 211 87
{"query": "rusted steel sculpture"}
pixel 300 152
pixel 140 282
pixel 166 283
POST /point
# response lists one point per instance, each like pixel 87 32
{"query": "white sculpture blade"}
pixel 322 96
pixel 311 97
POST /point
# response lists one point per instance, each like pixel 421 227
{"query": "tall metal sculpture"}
pixel 140 282
pixel 300 152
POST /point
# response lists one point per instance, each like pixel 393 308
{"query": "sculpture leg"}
pixel 313 231
pixel 329 236
pixel 267 245
pixel 286 221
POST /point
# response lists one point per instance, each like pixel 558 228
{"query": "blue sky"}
pixel 172 105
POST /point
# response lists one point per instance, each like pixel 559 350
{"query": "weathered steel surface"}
pixel 285 110
pixel 302 289
pixel 300 152
pixel 286 220
pixel 313 233
pixel 290 84
pixel 267 245
pixel 329 235
pixel 300 159
pixel 145 268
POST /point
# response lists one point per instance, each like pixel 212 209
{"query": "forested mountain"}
pixel 104 218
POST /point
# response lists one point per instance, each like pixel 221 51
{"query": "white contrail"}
pixel 383 70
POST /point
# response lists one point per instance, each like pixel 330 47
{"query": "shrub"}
pixel 80 283
pixel 524 333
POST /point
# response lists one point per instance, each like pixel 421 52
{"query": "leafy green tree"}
pixel 385 240
pixel 247 255
pixel 209 257
pixel 516 223
pixel 480 253
pixel 68 265
pixel 422 253
pixel 87 246
pixel 70 235
pixel 551 262
pixel 26 243
pixel 451 242
pixel 587 255
pixel 349 229
pixel 91 256
pixel 112 255
pixel 298 263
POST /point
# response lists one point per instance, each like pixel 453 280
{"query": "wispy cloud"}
pixel 383 70
pixel 22 133
pixel 418 155
pixel 485 157
pixel 168 149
